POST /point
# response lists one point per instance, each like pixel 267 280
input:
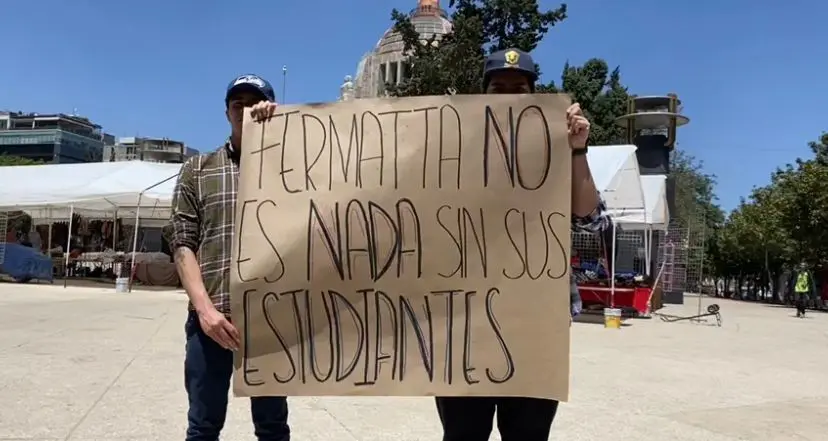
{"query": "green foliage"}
pixel 780 225
pixel 695 198
pixel 7 160
pixel 454 64
pixel 602 97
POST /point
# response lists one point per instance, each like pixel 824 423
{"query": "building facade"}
pixel 148 149
pixel 52 138
pixel 385 64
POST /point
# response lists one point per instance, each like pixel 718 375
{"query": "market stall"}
pixel 638 206
pixel 118 194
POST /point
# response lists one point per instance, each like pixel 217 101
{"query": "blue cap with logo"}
pixel 250 83
pixel 509 59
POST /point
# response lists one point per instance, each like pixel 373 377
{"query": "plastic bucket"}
pixel 122 284
pixel 612 318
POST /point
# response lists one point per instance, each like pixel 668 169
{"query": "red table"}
pixel 637 298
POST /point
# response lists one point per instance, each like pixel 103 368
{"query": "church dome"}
pixel 429 20
pixel 386 64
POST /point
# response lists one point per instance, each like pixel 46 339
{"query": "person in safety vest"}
pixel 802 290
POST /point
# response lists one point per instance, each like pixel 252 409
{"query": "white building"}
pixel 386 62
pixel 134 148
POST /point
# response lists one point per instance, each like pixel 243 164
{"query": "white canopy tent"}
pixel 634 202
pixel 655 215
pixel 51 192
pixel 615 172
pixel 103 188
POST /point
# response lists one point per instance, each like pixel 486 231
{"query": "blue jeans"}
pixel 207 371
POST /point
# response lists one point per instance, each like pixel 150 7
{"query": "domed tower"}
pixel 386 63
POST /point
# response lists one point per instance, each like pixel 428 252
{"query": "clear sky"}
pixel 752 75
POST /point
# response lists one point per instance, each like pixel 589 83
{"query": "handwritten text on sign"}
pixel 405 247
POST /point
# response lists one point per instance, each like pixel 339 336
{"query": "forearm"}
pixel 584 193
pixel 190 274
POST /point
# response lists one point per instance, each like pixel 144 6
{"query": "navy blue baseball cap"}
pixel 250 83
pixel 509 59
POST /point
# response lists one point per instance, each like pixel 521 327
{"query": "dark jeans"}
pixel 207 371
pixel 801 305
pixel 518 419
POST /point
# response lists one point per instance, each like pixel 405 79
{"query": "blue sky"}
pixel 752 75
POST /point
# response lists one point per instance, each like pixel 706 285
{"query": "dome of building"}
pixel 386 63
pixel 427 24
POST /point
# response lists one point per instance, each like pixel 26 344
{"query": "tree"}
pixel 453 64
pixel 695 197
pixel 602 97
pixel 778 227
pixel 7 160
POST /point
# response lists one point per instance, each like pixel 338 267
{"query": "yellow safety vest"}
pixel 802 283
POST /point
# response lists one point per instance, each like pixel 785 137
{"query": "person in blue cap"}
pixel 523 418
pixel 201 236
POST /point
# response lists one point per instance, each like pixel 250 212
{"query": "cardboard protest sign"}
pixel 412 246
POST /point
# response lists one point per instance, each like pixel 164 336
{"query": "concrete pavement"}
pixel 86 364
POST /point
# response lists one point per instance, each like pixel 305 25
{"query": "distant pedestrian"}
pixel 203 211
pixel 802 290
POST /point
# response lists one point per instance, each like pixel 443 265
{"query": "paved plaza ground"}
pixel 87 364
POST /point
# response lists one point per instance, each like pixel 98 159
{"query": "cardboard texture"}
pixel 414 246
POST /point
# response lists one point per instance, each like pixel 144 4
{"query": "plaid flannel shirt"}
pixel 203 211
pixel 595 222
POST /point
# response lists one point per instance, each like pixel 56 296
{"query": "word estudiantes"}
pixel 385 329
pixel 366 150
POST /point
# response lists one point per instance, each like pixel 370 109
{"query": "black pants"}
pixel 801 305
pixel 207 371
pixel 518 419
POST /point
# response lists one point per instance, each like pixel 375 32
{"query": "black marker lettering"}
pixel 356 229
pixel 338 301
pixel 246 369
pixel 344 158
pixel 262 148
pixel 384 261
pixel 505 147
pixel 309 184
pixel 448 111
pixel 272 297
pixel 507 355
pixel 564 259
pixel 361 158
pixel 396 114
pixel 380 356
pixel 547 156
pixel 320 377
pixel 408 220
pixel 448 374
pixel 240 248
pixel 278 270
pixel 426 132
pixel 284 171
pixel 426 349
pixel 467 340
pixel 365 340
pixel 331 238
pixel 300 331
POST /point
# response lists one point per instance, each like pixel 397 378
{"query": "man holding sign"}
pixel 204 206
pixel 512 71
